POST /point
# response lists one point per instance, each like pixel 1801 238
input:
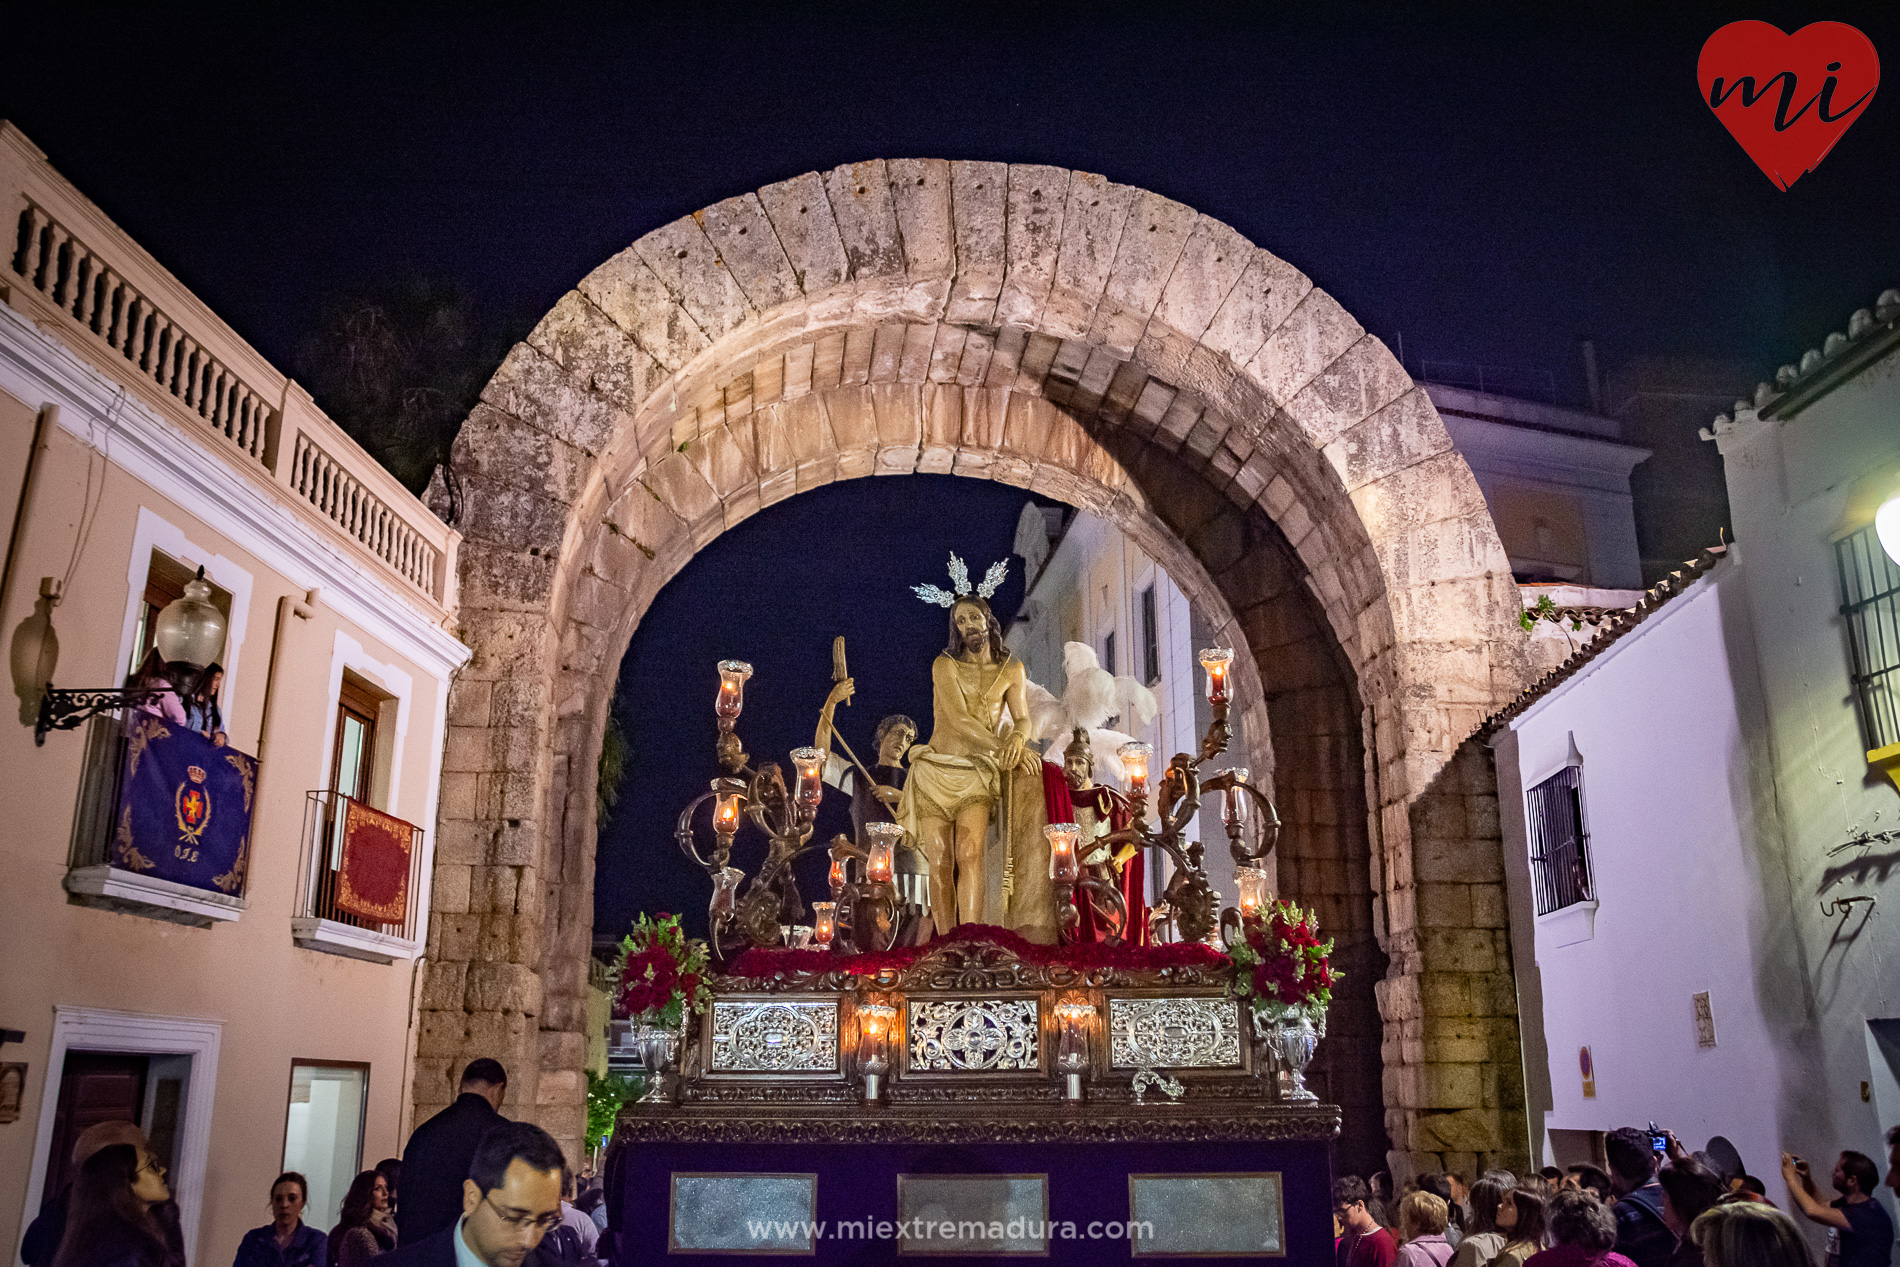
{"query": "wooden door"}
pixel 94 1087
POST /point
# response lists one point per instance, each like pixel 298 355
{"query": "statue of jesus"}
pixel 975 772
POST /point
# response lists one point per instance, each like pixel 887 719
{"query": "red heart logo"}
pixel 1788 98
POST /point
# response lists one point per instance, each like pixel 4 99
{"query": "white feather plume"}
pixel 1089 698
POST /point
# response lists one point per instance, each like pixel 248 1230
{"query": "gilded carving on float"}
pixel 974 1035
pixel 775 1037
pixel 1180 1033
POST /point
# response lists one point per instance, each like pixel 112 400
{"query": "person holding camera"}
pixel 1859 1231
pixel 1642 1235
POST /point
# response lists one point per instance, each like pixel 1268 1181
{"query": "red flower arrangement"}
pixel 662 973
pixel 1281 964
pixel 758 962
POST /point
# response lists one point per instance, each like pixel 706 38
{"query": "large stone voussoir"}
pixel 539 392
pixel 1314 335
pixel 743 236
pixel 685 260
pixel 581 339
pixel 1365 379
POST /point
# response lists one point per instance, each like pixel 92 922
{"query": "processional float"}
pixel 832 1062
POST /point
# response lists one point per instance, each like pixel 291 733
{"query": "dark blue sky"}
pixel 1489 181
pixel 838 560
pixel 1485 184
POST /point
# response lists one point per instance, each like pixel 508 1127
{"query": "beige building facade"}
pixel 140 441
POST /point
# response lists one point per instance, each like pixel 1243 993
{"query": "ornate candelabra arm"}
pixel 683 833
pixel 1215 741
pixel 1269 826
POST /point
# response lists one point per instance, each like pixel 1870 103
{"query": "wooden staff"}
pixel 839 674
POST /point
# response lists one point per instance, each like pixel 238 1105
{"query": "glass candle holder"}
pixel 810 764
pixel 839 876
pixel 1252 885
pixel 1233 800
pixel 884 838
pixel 1063 838
pixel 1219 663
pixel 874 1030
pixel 824 922
pixel 726 812
pixel 732 677
pixel 801 936
pixel 1073 1017
pixel 1135 766
pixel 725 888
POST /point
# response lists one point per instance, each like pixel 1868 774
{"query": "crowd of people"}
pixel 470 1183
pixel 1656 1205
pixel 473 1189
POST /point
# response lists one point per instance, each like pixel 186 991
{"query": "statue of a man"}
pixel 973 772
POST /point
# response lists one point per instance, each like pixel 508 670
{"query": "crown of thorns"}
pixel 960 577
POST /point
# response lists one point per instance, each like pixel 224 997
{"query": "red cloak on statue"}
pixel 1061 801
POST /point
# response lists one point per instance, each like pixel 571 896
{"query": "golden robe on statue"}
pixel 974 802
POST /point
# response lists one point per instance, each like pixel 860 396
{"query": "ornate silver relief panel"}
pixel 1193 1033
pixel 974 1035
pixel 775 1036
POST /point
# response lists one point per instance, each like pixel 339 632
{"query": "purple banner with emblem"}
pixel 184 810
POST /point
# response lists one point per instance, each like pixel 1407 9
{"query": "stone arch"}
pixel 1052 329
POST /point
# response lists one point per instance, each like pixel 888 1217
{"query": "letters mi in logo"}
pixel 193 805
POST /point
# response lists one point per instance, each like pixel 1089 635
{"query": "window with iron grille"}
pixel 1870 590
pixel 1150 638
pixel 1560 847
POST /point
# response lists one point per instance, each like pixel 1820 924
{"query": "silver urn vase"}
pixel 1285 1039
pixel 657 1048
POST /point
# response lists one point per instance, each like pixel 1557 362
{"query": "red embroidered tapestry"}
pixel 374 879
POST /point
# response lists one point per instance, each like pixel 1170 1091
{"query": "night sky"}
pixel 1484 185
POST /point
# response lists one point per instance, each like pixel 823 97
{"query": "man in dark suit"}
pixel 435 1165
pixel 511 1199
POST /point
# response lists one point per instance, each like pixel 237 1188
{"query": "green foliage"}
pixel 399 366
pixel 613 768
pixel 1544 609
pixel 604 1098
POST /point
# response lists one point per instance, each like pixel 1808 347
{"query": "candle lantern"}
pixel 1218 661
pixel 810 764
pixel 1252 883
pixel 824 925
pixel 1063 838
pixel 1073 1017
pixel 884 838
pixel 726 812
pixel 1233 803
pixel 732 678
pixel 801 936
pixel 838 877
pixel 874 1030
pixel 1135 766
pixel 725 888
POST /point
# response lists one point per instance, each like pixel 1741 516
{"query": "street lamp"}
pixel 188 634
pixel 1887 527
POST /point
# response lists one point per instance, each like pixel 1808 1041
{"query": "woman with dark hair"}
pixel 201 705
pixel 109 1221
pixel 366 1228
pixel 285 1241
pixel 1521 1219
pixel 1582 1234
pixel 154 675
pixel 1689 1188
pixel 1483 1240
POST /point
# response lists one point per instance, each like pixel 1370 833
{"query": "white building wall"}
pixel 1092 585
pixel 1690 895
pixel 1796 486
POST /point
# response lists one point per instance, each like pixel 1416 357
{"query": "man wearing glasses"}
pixel 510 1200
